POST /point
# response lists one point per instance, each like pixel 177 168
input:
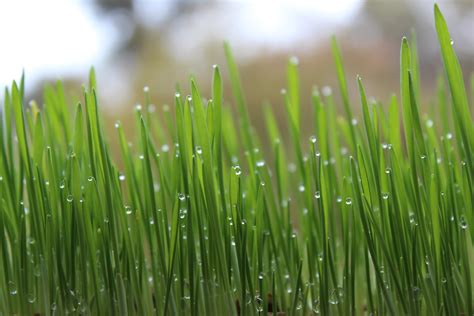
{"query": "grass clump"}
pixel 370 218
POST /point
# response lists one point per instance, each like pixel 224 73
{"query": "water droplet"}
pixel 294 60
pixel 462 222
pixel 429 123
pixel 237 170
pixel 177 95
pixel 260 163
pixel 117 124
pixel 348 201
pixel 53 306
pixel 443 280
pixel 61 184
pixel 333 298
pixel 301 188
pixel 451 42
pixel 90 179
pixel 12 288
pixel 449 136
pixel 122 177
pixel 385 196
pixel 165 148
pixel 354 122
pixel 69 198
pixel 152 221
pixel 181 196
pixel 146 89
pixel 31 240
pixel 317 194
pixel 31 297
pixel 128 209
pixel 199 150
pixel 312 139
pixel 138 107
pixel 326 91
pixel 411 217
pixel 388 170
pixel 338 199
pixel 315 306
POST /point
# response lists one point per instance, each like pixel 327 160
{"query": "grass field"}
pixel 372 215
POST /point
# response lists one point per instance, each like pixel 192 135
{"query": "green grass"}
pixel 371 215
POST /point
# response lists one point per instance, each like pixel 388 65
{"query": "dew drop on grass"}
pixel 315 306
pixel 117 124
pixel 301 188
pixel 61 184
pixel 260 163
pixel 449 136
pixel 317 194
pixel 181 196
pixel 122 177
pixel 294 60
pixel 385 196
pixel 128 210
pixel 138 107
pixel 53 306
pixel 199 150
pixel 237 170
pixel 12 288
pixel 443 280
pixel 354 122
pixel 388 170
pixel 31 240
pixel 429 123
pixel 165 148
pixel 70 198
pixel 90 179
pixel 451 42
pixel 326 91
pixel 463 223
pixel 312 139
pixel 348 201
pixel 31 297
pixel 411 217
pixel 333 298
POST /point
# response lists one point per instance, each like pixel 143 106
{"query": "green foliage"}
pixel 364 218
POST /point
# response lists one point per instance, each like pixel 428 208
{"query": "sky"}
pixel 50 38
pixel 56 38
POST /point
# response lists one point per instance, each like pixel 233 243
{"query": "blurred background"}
pixel 137 43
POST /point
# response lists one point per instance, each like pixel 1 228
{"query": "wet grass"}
pixel 369 216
